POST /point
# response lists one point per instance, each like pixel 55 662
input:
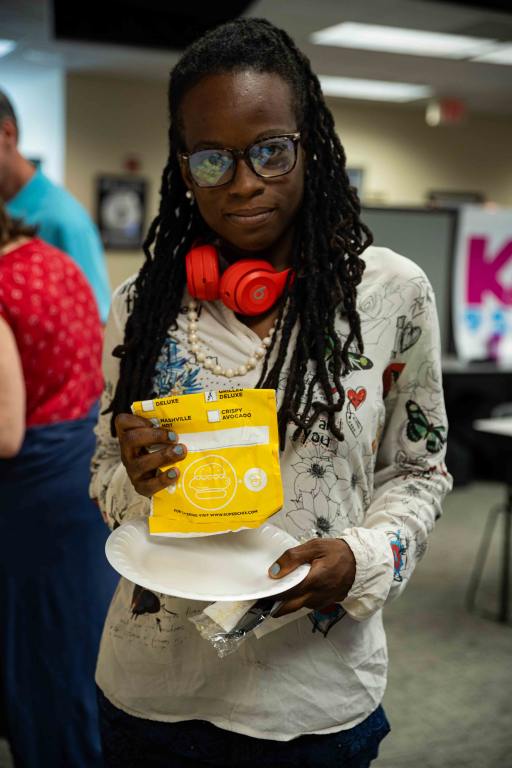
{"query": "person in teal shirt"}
pixel 58 216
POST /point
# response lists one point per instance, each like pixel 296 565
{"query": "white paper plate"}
pixel 230 566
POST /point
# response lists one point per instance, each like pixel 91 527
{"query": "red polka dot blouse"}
pixel 46 300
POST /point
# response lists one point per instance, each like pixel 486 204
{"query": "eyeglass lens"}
pixel 214 167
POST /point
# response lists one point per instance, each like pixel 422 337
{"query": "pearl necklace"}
pixel 202 358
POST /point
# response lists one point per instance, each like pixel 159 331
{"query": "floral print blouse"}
pixel 380 489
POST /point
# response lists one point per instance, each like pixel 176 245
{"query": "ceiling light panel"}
pixel 373 90
pixel 374 37
pixel 501 55
pixel 6 46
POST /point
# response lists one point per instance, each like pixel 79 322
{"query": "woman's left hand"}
pixel 333 569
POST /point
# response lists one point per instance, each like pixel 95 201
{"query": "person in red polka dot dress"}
pixel 55 582
pixel 49 306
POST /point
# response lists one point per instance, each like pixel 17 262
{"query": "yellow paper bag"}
pixel 230 478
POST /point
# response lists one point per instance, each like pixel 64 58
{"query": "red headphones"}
pixel 249 286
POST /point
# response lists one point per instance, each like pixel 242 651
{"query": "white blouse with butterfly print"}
pixel 380 489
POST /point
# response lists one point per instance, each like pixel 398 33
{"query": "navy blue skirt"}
pixel 55 589
pixel 133 742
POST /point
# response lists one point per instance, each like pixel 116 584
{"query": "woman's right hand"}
pixel 135 436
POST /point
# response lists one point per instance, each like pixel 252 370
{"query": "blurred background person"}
pixel 55 584
pixel 58 216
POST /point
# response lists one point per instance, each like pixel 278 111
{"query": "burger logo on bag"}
pixel 210 482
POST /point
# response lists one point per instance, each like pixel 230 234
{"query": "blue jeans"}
pixel 133 742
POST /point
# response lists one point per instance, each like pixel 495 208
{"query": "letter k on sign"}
pixel 484 272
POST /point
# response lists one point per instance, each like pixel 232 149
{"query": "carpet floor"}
pixel 449 696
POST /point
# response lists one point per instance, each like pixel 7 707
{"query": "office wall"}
pixel 403 158
pixel 110 117
pixel 38 96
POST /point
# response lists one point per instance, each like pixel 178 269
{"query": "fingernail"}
pixel 274 569
pixel 172 474
pixel 178 450
pixel 172 436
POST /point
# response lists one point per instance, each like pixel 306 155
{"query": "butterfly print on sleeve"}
pixel 419 428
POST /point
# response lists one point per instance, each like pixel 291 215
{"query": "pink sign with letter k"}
pixel 484 272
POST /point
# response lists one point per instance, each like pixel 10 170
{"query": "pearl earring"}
pixel 189 195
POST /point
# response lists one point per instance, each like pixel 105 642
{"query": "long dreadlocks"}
pixel 328 240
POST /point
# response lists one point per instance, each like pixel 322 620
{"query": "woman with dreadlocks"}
pixel 257 173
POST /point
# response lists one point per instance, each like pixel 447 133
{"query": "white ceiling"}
pixel 484 87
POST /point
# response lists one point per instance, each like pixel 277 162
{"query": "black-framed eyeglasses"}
pixel 271 157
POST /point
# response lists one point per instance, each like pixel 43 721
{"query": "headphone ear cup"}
pixel 251 286
pixel 203 279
